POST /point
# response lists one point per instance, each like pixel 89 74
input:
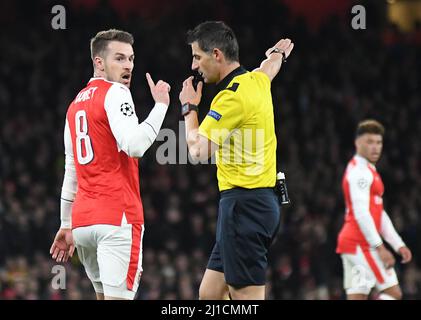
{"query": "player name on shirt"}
pixel 85 94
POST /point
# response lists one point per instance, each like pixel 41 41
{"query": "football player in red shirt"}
pixel 366 261
pixel 101 208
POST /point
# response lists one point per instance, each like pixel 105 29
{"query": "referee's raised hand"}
pixel 275 57
pixel 283 45
pixel 188 94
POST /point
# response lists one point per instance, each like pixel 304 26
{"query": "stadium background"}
pixel 335 77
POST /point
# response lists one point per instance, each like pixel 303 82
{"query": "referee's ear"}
pixel 218 54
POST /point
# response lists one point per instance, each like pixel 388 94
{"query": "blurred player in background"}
pixel 367 263
pixel 249 213
pixel 100 197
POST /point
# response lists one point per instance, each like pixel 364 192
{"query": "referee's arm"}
pixel 200 147
pixel 275 56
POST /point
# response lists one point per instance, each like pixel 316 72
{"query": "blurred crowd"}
pixel 335 77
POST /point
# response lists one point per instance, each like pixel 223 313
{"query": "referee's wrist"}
pixel 282 52
pixel 188 107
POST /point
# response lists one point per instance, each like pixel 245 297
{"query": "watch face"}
pixel 185 109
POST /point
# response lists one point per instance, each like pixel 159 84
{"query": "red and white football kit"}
pixel 366 223
pixel 103 140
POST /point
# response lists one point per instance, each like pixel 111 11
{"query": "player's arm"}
pixel 392 237
pixel 389 233
pixel 274 58
pixel 200 147
pixel 360 181
pixel 63 245
pixel 132 137
pixel 69 187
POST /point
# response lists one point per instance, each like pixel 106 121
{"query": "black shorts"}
pixel 248 220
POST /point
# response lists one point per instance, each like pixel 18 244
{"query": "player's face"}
pixel 370 146
pixel 205 64
pixel 119 62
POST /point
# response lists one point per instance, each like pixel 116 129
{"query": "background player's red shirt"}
pixel 363 191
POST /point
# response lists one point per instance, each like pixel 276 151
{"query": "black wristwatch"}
pixel 277 50
pixel 187 107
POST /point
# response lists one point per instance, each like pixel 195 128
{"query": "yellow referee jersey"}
pixel 241 122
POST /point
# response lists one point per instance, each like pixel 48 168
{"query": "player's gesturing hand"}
pixel 160 91
pixel 63 245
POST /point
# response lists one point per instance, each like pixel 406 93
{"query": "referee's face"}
pixel 205 64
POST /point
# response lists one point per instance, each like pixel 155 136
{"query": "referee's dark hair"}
pixel 369 126
pixel 215 34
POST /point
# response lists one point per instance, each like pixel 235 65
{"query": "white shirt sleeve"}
pixel 389 233
pixel 69 188
pixel 133 138
pixel 360 180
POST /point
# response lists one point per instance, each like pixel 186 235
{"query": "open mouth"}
pixel 126 77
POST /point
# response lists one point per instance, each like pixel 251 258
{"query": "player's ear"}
pixel 99 63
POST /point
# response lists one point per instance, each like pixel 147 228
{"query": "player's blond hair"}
pixel 370 126
pixel 100 41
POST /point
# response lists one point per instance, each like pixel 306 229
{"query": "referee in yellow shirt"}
pixel 239 127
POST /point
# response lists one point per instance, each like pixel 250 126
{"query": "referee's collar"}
pixel 225 82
